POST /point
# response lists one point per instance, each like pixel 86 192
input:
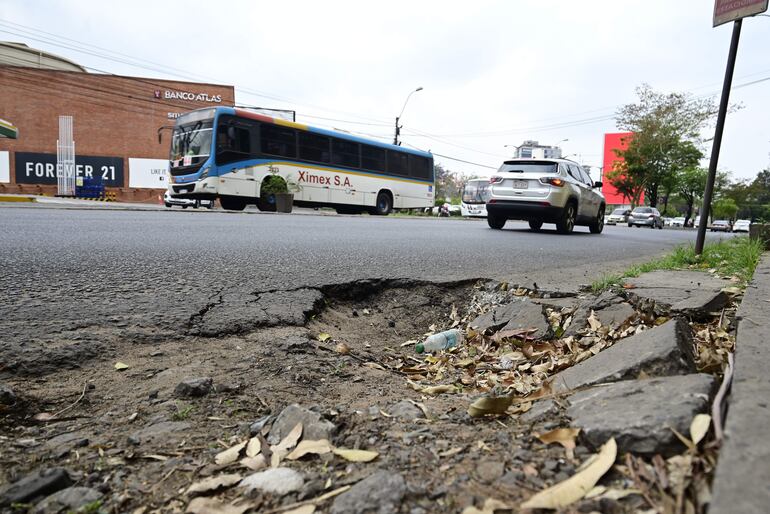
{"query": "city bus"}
pixel 474 198
pixel 227 153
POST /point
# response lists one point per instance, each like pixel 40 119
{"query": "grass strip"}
pixel 736 257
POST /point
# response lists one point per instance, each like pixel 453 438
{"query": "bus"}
pixel 474 198
pixel 227 153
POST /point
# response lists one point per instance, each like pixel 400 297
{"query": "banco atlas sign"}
pixel 188 96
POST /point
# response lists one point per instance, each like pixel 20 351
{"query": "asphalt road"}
pixel 65 268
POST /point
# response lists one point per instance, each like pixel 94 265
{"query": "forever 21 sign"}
pixel 40 168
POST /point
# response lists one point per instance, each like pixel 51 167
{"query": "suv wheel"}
pixel 567 221
pixel 495 222
pixel 598 224
pixel 535 225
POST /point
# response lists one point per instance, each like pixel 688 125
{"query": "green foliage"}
pixel 182 413
pixel 725 209
pixel 273 184
pixel 89 508
pixel 736 257
pixel 666 134
pixel 692 183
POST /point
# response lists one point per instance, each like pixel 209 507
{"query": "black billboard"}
pixel 40 168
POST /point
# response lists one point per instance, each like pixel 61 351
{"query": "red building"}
pixel 612 142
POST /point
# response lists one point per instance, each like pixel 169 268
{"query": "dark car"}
pixel 645 217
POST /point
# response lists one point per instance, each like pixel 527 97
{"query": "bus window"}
pixel 313 147
pixel 419 167
pixel 398 163
pixel 277 140
pixel 345 153
pixel 372 158
pixel 233 141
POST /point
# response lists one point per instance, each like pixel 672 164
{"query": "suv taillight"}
pixel 495 180
pixel 554 181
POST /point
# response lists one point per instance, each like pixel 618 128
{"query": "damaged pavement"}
pixel 314 400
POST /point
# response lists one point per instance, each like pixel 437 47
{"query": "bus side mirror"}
pixel 231 133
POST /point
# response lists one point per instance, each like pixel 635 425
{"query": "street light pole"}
pixel 516 147
pixel 398 127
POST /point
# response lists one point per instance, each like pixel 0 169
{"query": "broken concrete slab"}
pixel 68 500
pixel 159 430
pixel 34 486
pixel 521 313
pixel 661 351
pixel 314 427
pixel 540 411
pixel 605 300
pixel 379 493
pixel 692 293
pixel 615 315
pixel 743 473
pixel 194 387
pixel 7 396
pixel 640 414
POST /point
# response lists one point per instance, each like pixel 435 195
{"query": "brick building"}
pixel 121 126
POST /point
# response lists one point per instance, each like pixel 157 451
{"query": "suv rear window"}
pixel 643 209
pixel 527 167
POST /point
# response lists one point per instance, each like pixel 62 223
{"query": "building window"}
pixel 525 152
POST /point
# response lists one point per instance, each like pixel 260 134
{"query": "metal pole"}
pixel 395 138
pixel 708 193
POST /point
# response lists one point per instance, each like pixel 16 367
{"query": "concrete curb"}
pixel 743 471
pixel 17 198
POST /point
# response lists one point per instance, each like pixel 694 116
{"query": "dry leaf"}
pixel 253 447
pixel 490 506
pixel 280 450
pixel 214 483
pixel 305 509
pixel 120 366
pixel 374 365
pixel 254 463
pixel 230 455
pixel 319 447
pixel 451 452
pixel 434 390
pixel 324 337
pixel 212 506
pixel 342 349
pixel 489 405
pixel 699 427
pixel 43 416
pixel 578 485
pixel 356 455
pixel 563 436
pixel 594 322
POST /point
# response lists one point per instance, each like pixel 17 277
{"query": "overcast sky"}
pixel 493 73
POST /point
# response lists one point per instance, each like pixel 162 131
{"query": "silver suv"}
pixel 545 191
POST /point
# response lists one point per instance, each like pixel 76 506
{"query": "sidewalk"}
pixel 742 478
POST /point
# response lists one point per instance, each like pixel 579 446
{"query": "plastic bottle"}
pixel 441 341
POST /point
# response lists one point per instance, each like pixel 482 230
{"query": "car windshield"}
pixel 528 167
pixel 476 191
pixel 619 212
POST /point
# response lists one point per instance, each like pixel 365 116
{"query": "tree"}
pixel 725 209
pixel 666 137
pixel 692 183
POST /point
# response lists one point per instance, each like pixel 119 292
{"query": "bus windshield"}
pixel 191 144
pixel 476 191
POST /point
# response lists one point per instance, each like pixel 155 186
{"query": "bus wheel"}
pixel 384 204
pixel 232 204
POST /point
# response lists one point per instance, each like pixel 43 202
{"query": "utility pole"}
pixel 398 127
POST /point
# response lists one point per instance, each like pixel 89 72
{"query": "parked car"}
pixel 667 221
pixel 720 226
pixel 545 191
pixel 169 200
pixel 645 217
pixel 741 226
pixel 619 215
pixel 695 222
pixel 678 221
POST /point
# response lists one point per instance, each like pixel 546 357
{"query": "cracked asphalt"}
pixel 73 278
